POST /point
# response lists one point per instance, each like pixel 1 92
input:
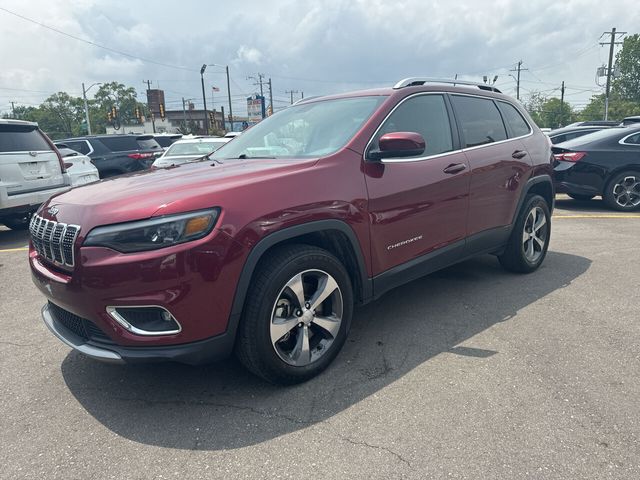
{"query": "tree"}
pixel 61 115
pixel 618 108
pixel 627 84
pixel 549 112
pixel 113 94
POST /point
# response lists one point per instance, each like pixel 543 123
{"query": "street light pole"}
pixel 204 100
pixel 86 105
pixel 226 67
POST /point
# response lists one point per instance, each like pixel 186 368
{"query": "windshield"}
pixel 196 148
pixel 307 130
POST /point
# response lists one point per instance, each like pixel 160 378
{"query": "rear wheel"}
pixel 529 239
pixel 582 198
pixel 296 316
pixel 623 192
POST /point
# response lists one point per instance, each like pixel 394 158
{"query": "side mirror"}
pixel 399 145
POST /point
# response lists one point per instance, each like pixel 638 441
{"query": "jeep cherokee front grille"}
pixel 54 240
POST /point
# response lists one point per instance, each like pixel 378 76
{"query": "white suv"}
pixel 31 171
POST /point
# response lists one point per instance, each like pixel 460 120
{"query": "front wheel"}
pixel 297 315
pixel 529 241
pixel 623 192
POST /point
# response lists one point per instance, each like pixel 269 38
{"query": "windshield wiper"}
pixel 207 157
pixel 244 156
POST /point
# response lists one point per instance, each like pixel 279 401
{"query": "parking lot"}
pixel 469 373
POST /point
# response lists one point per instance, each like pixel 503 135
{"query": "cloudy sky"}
pixel 310 46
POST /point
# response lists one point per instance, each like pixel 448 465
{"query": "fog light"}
pixel 145 320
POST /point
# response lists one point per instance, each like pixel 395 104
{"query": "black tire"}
pixel 21 223
pixel 582 198
pixel 615 184
pixel 254 346
pixel 514 258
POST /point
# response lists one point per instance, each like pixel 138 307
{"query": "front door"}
pixel 415 206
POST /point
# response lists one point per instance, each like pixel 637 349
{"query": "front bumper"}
pixel 195 353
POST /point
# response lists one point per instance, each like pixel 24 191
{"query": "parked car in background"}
pixel 79 167
pixel 31 170
pixel 165 140
pixel 560 135
pixel 630 120
pixel 188 150
pixel 605 163
pixel 594 123
pixel 232 134
pixel 116 154
pixel 266 249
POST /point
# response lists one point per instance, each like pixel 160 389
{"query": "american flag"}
pixel 215 89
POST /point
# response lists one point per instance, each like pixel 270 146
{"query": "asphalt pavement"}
pixel 470 373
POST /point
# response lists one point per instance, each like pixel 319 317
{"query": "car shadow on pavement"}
pixel 591 206
pixel 221 406
pixel 13 238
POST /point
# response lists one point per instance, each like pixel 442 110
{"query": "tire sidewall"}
pixel 266 351
pixel 534 201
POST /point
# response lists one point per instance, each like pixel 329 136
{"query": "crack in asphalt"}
pixel 19 344
pixel 375 447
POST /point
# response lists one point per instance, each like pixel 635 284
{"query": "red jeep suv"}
pixel 264 247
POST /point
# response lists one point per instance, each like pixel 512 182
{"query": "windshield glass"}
pixel 307 130
pixel 196 148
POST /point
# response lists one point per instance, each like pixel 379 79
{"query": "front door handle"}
pixel 518 154
pixel 454 168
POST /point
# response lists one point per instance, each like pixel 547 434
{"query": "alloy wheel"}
pixel 626 193
pixel 534 235
pixel 306 317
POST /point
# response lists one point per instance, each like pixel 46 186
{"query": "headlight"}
pixel 153 233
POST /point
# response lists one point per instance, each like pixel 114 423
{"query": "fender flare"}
pixel 280 236
pixel 543 178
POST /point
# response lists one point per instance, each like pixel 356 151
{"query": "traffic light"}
pixel 114 112
pixel 138 112
pixel 212 119
pixel 162 111
pixel 109 116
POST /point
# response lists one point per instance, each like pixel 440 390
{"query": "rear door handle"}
pixel 454 168
pixel 519 154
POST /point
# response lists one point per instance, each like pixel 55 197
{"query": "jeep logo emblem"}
pixel 52 210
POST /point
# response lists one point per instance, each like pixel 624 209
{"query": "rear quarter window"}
pixel 148 144
pixel 479 120
pixel 517 124
pixel 18 138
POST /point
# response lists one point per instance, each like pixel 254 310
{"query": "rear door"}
pixel 28 162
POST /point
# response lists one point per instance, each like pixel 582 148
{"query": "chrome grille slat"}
pixel 54 241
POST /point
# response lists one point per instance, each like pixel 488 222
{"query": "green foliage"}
pixel 627 85
pixel 618 108
pixel 112 94
pixel 549 112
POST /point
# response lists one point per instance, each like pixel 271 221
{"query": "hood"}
pixel 176 189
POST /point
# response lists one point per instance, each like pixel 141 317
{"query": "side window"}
pixel 633 139
pixel 423 114
pixel 518 125
pixel 479 120
pixel 560 138
pixel 81 147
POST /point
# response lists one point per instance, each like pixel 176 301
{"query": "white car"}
pixel 79 167
pixel 31 171
pixel 184 151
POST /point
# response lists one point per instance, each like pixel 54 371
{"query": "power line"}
pixel 94 44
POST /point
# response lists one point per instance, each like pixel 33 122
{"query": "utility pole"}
pixel 291 92
pixel 270 96
pixel 229 94
pixel 518 69
pixel 561 103
pixel 184 114
pixel 153 120
pixel 204 100
pixel 13 110
pixel 302 95
pixel 611 44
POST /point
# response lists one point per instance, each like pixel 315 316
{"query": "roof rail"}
pixel 414 81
